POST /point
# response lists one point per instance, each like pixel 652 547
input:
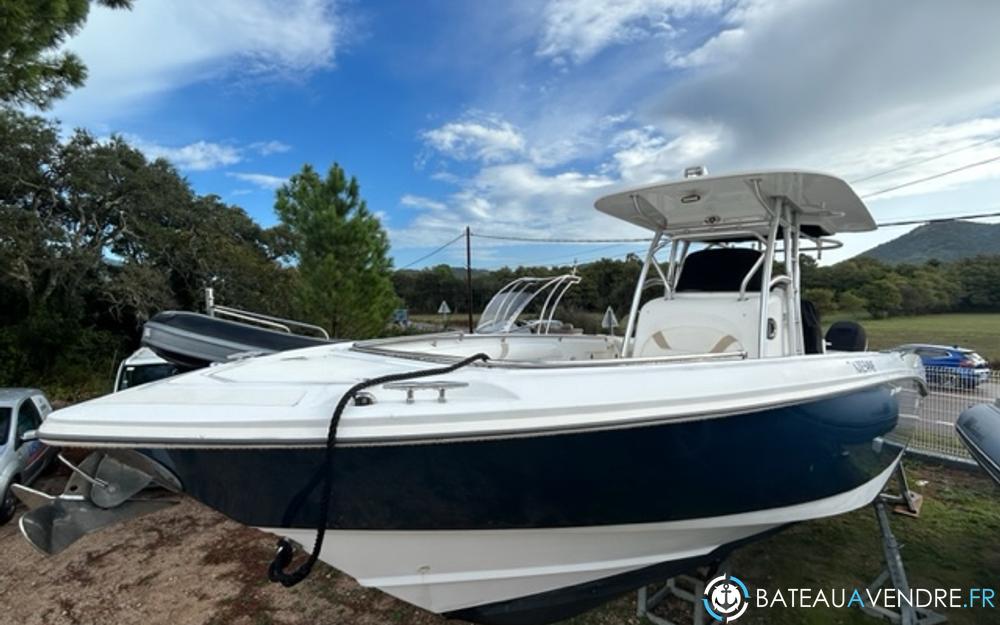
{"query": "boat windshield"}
pixel 505 308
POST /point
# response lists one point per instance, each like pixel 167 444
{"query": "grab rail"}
pixel 269 320
pixel 552 364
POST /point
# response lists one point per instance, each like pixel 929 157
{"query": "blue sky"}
pixel 513 117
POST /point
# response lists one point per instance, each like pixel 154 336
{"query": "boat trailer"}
pixel 689 588
pixel 105 489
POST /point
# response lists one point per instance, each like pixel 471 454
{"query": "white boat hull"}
pixel 446 571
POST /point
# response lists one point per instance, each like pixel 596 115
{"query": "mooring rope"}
pixel 286 550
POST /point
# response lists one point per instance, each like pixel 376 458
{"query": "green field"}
pixel 978 331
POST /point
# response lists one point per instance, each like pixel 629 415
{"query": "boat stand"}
pixel 689 588
pixel 906 503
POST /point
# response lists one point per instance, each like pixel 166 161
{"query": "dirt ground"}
pixel 186 565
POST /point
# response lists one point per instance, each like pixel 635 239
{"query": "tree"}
pixel 882 296
pixel 979 278
pixel 33 69
pixel 849 301
pixel 96 238
pixel 822 299
pixel 341 253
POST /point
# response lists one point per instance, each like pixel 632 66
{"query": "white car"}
pixel 22 459
pixel 141 367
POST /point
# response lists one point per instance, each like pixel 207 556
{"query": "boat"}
pixel 522 478
pixel 978 428
pixel 190 340
pixel 194 340
pixel 141 367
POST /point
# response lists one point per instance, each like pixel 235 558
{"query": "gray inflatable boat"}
pixel 193 340
pixel 979 429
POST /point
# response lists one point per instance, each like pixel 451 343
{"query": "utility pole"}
pixel 468 274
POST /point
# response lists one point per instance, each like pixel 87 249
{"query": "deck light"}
pixel 696 171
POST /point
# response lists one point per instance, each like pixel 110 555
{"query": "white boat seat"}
pixel 706 323
pixel 689 339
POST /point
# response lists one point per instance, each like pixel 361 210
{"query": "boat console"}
pixel 725 259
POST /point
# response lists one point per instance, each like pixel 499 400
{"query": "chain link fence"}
pixel 952 390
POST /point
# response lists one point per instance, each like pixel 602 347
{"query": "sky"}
pixel 513 117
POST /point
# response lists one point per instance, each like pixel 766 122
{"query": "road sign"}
pixel 609 322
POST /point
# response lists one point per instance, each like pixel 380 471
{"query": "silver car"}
pixel 21 461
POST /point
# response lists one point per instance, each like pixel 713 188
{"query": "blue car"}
pixel 951 367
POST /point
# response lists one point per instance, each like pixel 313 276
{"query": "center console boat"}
pixel 537 475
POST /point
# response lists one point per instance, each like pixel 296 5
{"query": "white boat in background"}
pixel 503 312
pixel 561 470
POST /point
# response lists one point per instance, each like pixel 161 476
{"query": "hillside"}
pixel 945 241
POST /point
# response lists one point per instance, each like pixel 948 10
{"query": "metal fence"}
pixel 952 390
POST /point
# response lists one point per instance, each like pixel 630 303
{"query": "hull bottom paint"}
pixel 519 577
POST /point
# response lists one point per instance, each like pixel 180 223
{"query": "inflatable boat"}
pixel 979 429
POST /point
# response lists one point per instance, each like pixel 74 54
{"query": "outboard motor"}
pixel 847 336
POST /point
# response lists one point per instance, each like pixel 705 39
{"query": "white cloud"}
pixel 645 155
pixel 197 156
pixel 423 203
pixel 532 197
pixel 204 155
pixel 717 49
pixel 744 84
pixel 581 29
pixel 514 199
pixel 267 148
pixel 795 88
pixel 264 181
pixel 159 46
pixel 478 136
pixel 905 157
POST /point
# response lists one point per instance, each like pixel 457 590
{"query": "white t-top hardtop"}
pixel 825 204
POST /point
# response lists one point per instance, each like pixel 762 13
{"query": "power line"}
pixel 934 220
pixel 636 251
pixel 426 256
pixel 926 160
pixel 579 253
pixel 540 240
pixel 619 242
pixel 926 178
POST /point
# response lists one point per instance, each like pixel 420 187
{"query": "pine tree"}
pixel 341 251
pixel 33 70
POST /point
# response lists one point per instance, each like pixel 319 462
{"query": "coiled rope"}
pixel 286 550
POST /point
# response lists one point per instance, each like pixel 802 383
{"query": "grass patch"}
pixel 951 545
pixel 978 331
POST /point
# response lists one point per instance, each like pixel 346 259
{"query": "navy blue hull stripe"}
pixel 665 472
